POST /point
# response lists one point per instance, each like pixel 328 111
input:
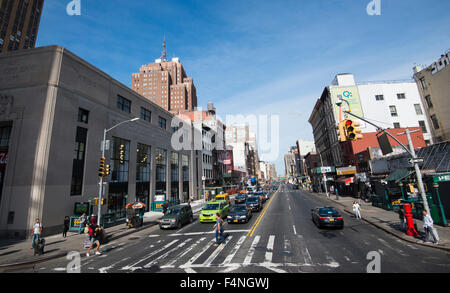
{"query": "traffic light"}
pixel 107 170
pixel 341 133
pixel 352 130
pixel 101 170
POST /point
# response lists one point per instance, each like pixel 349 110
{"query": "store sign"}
pixel 227 162
pixel 325 170
pixel 443 178
pixel 346 171
pixel 3 158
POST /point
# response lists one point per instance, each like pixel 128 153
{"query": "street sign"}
pixel 106 145
pixel 413 161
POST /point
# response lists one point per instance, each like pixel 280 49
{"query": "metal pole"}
pixel 100 189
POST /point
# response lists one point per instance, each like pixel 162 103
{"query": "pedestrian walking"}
pixel 66 226
pixel 428 227
pixel 83 223
pixel 165 207
pixel 401 216
pixel 95 236
pixel 357 209
pixel 337 193
pixel 219 227
pixel 36 234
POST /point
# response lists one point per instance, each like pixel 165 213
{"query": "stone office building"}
pixel 54 107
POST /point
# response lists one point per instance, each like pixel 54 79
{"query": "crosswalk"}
pixel 190 254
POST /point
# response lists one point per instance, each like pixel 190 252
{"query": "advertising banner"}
pixel 349 94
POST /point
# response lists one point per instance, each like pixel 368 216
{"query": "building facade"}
pixel 434 86
pixel 166 84
pixel 19 23
pixel 55 109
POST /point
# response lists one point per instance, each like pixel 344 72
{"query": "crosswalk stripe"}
pixel 186 251
pixel 251 251
pixel 269 253
pixel 133 266
pixel 197 255
pixel 305 251
pixel 234 251
pixel 163 256
pixel 216 252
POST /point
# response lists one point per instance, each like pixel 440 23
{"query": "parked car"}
pixel 176 216
pixel 209 211
pixel 327 217
pixel 254 203
pixel 240 198
pixel 239 214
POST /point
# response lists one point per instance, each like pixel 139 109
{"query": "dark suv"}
pixel 254 203
pixel 176 216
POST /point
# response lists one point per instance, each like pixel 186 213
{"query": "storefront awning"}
pixel 399 174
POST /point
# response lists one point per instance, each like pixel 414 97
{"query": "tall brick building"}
pixel 166 84
pixel 19 24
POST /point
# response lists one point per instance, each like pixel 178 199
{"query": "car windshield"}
pixel 211 207
pixel 252 199
pixel 172 212
pixel 326 212
pixel 238 209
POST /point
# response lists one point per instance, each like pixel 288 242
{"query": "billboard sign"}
pixel 349 94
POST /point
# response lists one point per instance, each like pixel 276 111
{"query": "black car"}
pixel 176 216
pixel 240 198
pixel 261 195
pixel 239 214
pixel 254 203
pixel 327 217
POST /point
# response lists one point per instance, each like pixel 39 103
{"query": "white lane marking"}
pixel 105 269
pixel 60 269
pixel 186 251
pixel 295 231
pixel 197 255
pixel 269 252
pixel 216 252
pixel 332 262
pixel 133 266
pixel 305 252
pixel 251 251
pixel 153 236
pixel 190 271
pixel 206 233
pixel 163 256
pixel 234 251
pixel 287 251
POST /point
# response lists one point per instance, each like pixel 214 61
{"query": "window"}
pixel 145 114
pixel 401 96
pixel 422 125
pixel 78 161
pixel 418 109
pixel 379 97
pixel 396 125
pixel 83 115
pixel 123 104
pixel 428 100
pixel 423 83
pixel 162 122
pixel 435 121
pixel 393 110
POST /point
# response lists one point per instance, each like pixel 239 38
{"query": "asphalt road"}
pixel 280 239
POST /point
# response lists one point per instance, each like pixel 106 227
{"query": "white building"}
pixel 389 104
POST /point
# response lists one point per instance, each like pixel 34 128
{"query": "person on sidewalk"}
pixel 83 220
pixel 401 216
pixel 66 226
pixel 165 207
pixel 428 227
pixel 37 232
pixel 95 234
pixel 219 227
pixel 357 209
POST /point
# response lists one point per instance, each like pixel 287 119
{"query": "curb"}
pixel 27 264
pixel 388 230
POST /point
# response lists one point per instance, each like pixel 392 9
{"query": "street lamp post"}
pixel 100 189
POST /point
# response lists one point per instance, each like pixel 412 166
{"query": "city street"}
pixel 283 240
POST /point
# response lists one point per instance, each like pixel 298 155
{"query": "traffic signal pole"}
pixel 411 152
pixel 100 189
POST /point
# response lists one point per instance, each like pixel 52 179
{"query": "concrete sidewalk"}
pixel 18 252
pixel 389 221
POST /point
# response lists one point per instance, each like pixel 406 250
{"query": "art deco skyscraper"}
pixel 166 84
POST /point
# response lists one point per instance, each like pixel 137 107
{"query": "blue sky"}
pixel 256 56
